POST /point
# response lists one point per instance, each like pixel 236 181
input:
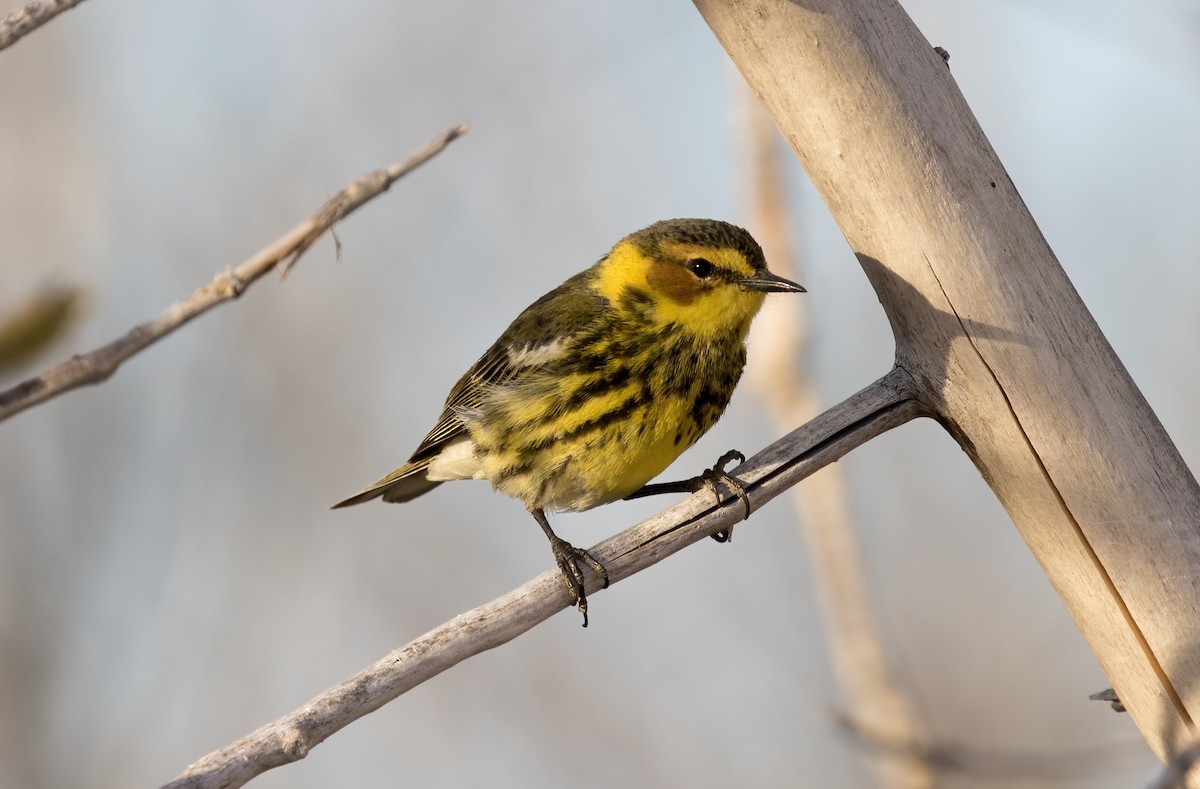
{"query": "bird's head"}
pixel 703 275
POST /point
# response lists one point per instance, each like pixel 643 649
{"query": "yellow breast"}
pixel 580 440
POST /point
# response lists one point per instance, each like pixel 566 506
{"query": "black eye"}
pixel 700 267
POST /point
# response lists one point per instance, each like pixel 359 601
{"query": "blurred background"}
pixel 171 576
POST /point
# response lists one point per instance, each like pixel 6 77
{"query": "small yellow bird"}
pixel 600 384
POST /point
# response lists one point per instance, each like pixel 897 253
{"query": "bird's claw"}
pixel 709 479
pixel 706 481
pixel 567 556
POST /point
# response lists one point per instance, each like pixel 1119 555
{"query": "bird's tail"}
pixel 403 484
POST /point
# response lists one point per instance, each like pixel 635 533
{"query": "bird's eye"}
pixel 700 267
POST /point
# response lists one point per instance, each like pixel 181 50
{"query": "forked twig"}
pixel 97 365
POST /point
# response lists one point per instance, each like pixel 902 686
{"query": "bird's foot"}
pixel 706 481
pixel 709 479
pixel 567 556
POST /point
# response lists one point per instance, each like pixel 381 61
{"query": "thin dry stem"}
pixel 25 20
pixel 881 406
pixel 779 378
pixel 97 365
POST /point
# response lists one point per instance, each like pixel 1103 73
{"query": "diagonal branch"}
pixel 29 18
pixel 96 366
pixel 997 339
pixel 883 405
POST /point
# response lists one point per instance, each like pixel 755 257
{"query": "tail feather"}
pixel 403 484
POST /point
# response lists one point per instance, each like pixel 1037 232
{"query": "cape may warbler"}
pixel 601 383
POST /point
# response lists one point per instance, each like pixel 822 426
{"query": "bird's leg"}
pixel 705 481
pixel 567 557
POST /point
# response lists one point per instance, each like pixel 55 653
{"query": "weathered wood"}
pixel 883 405
pixel 996 339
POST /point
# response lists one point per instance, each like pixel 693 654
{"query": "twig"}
pixel 882 406
pixel 96 366
pixel 30 18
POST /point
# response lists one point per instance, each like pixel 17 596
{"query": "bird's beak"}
pixel 766 282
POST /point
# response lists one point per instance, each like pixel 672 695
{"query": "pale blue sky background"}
pixel 170 575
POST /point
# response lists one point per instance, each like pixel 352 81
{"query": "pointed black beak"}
pixel 765 281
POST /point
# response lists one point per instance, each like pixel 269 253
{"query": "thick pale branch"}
pixel 96 366
pixel 29 18
pixel 998 342
pixel 883 405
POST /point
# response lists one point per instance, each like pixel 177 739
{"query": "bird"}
pixel 602 383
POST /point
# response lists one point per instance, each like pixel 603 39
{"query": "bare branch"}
pixel 28 19
pixel 995 336
pixel 882 406
pixel 96 366
pixel 781 381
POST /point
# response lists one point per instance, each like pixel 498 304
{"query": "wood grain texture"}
pixel 993 333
